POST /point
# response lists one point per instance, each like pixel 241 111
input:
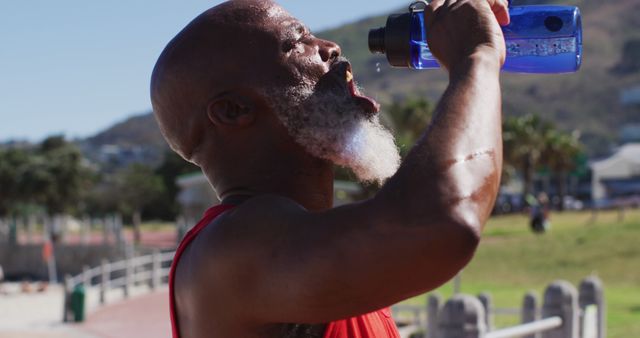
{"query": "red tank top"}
pixel 378 324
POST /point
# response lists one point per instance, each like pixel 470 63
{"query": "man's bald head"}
pixel 231 46
pixel 249 61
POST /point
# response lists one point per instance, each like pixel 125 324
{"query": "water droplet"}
pixel 377 67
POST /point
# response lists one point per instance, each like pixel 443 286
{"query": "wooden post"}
pixel 462 317
pixel 85 231
pixel 104 281
pixel 529 311
pixel 561 299
pixel 117 229
pixel 592 293
pixel 433 309
pixel 46 227
pixel 31 224
pixel 105 230
pixel 155 270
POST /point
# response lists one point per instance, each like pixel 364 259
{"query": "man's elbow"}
pixel 466 235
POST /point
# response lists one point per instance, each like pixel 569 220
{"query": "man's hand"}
pixel 461 29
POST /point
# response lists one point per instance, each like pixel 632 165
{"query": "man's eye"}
pixel 288 45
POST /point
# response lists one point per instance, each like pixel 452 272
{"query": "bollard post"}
pixel 462 317
pixel 128 269
pixel 66 307
pixel 433 309
pixel 592 293
pixel 104 281
pixel 487 303
pixel 155 269
pixel 529 311
pixel 561 299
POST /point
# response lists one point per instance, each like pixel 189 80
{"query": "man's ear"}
pixel 233 109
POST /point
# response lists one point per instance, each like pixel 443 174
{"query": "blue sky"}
pixel 78 66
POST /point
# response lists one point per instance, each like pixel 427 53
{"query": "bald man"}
pixel 266 109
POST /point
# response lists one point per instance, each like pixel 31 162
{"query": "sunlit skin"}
pixel 285 255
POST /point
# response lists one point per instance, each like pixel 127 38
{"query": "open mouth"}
pixel 341 75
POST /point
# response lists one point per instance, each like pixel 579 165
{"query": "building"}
pixel 617 176
pixel 196 196
pixel 630 96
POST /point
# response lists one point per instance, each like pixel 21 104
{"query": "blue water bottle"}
pixel 539 39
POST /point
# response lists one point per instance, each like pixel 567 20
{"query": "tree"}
pixel 60 175
pixel 560 155
pixel 524 142
pixel 137 187
pixel 52 175
pixel 13 162
pixel 169 170
pixel 410 118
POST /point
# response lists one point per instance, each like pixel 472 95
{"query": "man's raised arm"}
pixel 416 233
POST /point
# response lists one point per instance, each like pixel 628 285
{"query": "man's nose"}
pixel 329 50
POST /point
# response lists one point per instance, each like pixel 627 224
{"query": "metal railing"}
pixel 151 270
pixel 527 329
pixel 564 313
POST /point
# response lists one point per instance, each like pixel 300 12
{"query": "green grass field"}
pixel 511 261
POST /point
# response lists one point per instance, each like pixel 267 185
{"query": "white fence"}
pixel 565 313
pixel 151 270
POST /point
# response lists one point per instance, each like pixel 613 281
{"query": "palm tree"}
pixel 408 119
pixel 559 155
pixel 524 143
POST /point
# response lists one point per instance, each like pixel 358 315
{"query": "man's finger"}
pixel 500 9
pixel 431 9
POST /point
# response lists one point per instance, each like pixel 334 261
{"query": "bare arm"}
pixel 284 264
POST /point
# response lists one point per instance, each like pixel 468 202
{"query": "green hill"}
pixel 588 100
pixel 139 130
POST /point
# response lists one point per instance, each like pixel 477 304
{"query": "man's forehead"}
pixel 286 22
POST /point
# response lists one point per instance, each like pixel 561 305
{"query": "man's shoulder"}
pixel 229 252
pixel 246 224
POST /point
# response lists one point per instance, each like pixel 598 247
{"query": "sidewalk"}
pixel 34 315
pixel 144 316
pixel 39 315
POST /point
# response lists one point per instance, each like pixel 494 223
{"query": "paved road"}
pixel 144 316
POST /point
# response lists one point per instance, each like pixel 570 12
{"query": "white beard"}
pixel 331 126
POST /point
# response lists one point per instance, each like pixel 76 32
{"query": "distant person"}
pixel 266 109
pixel 539 213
